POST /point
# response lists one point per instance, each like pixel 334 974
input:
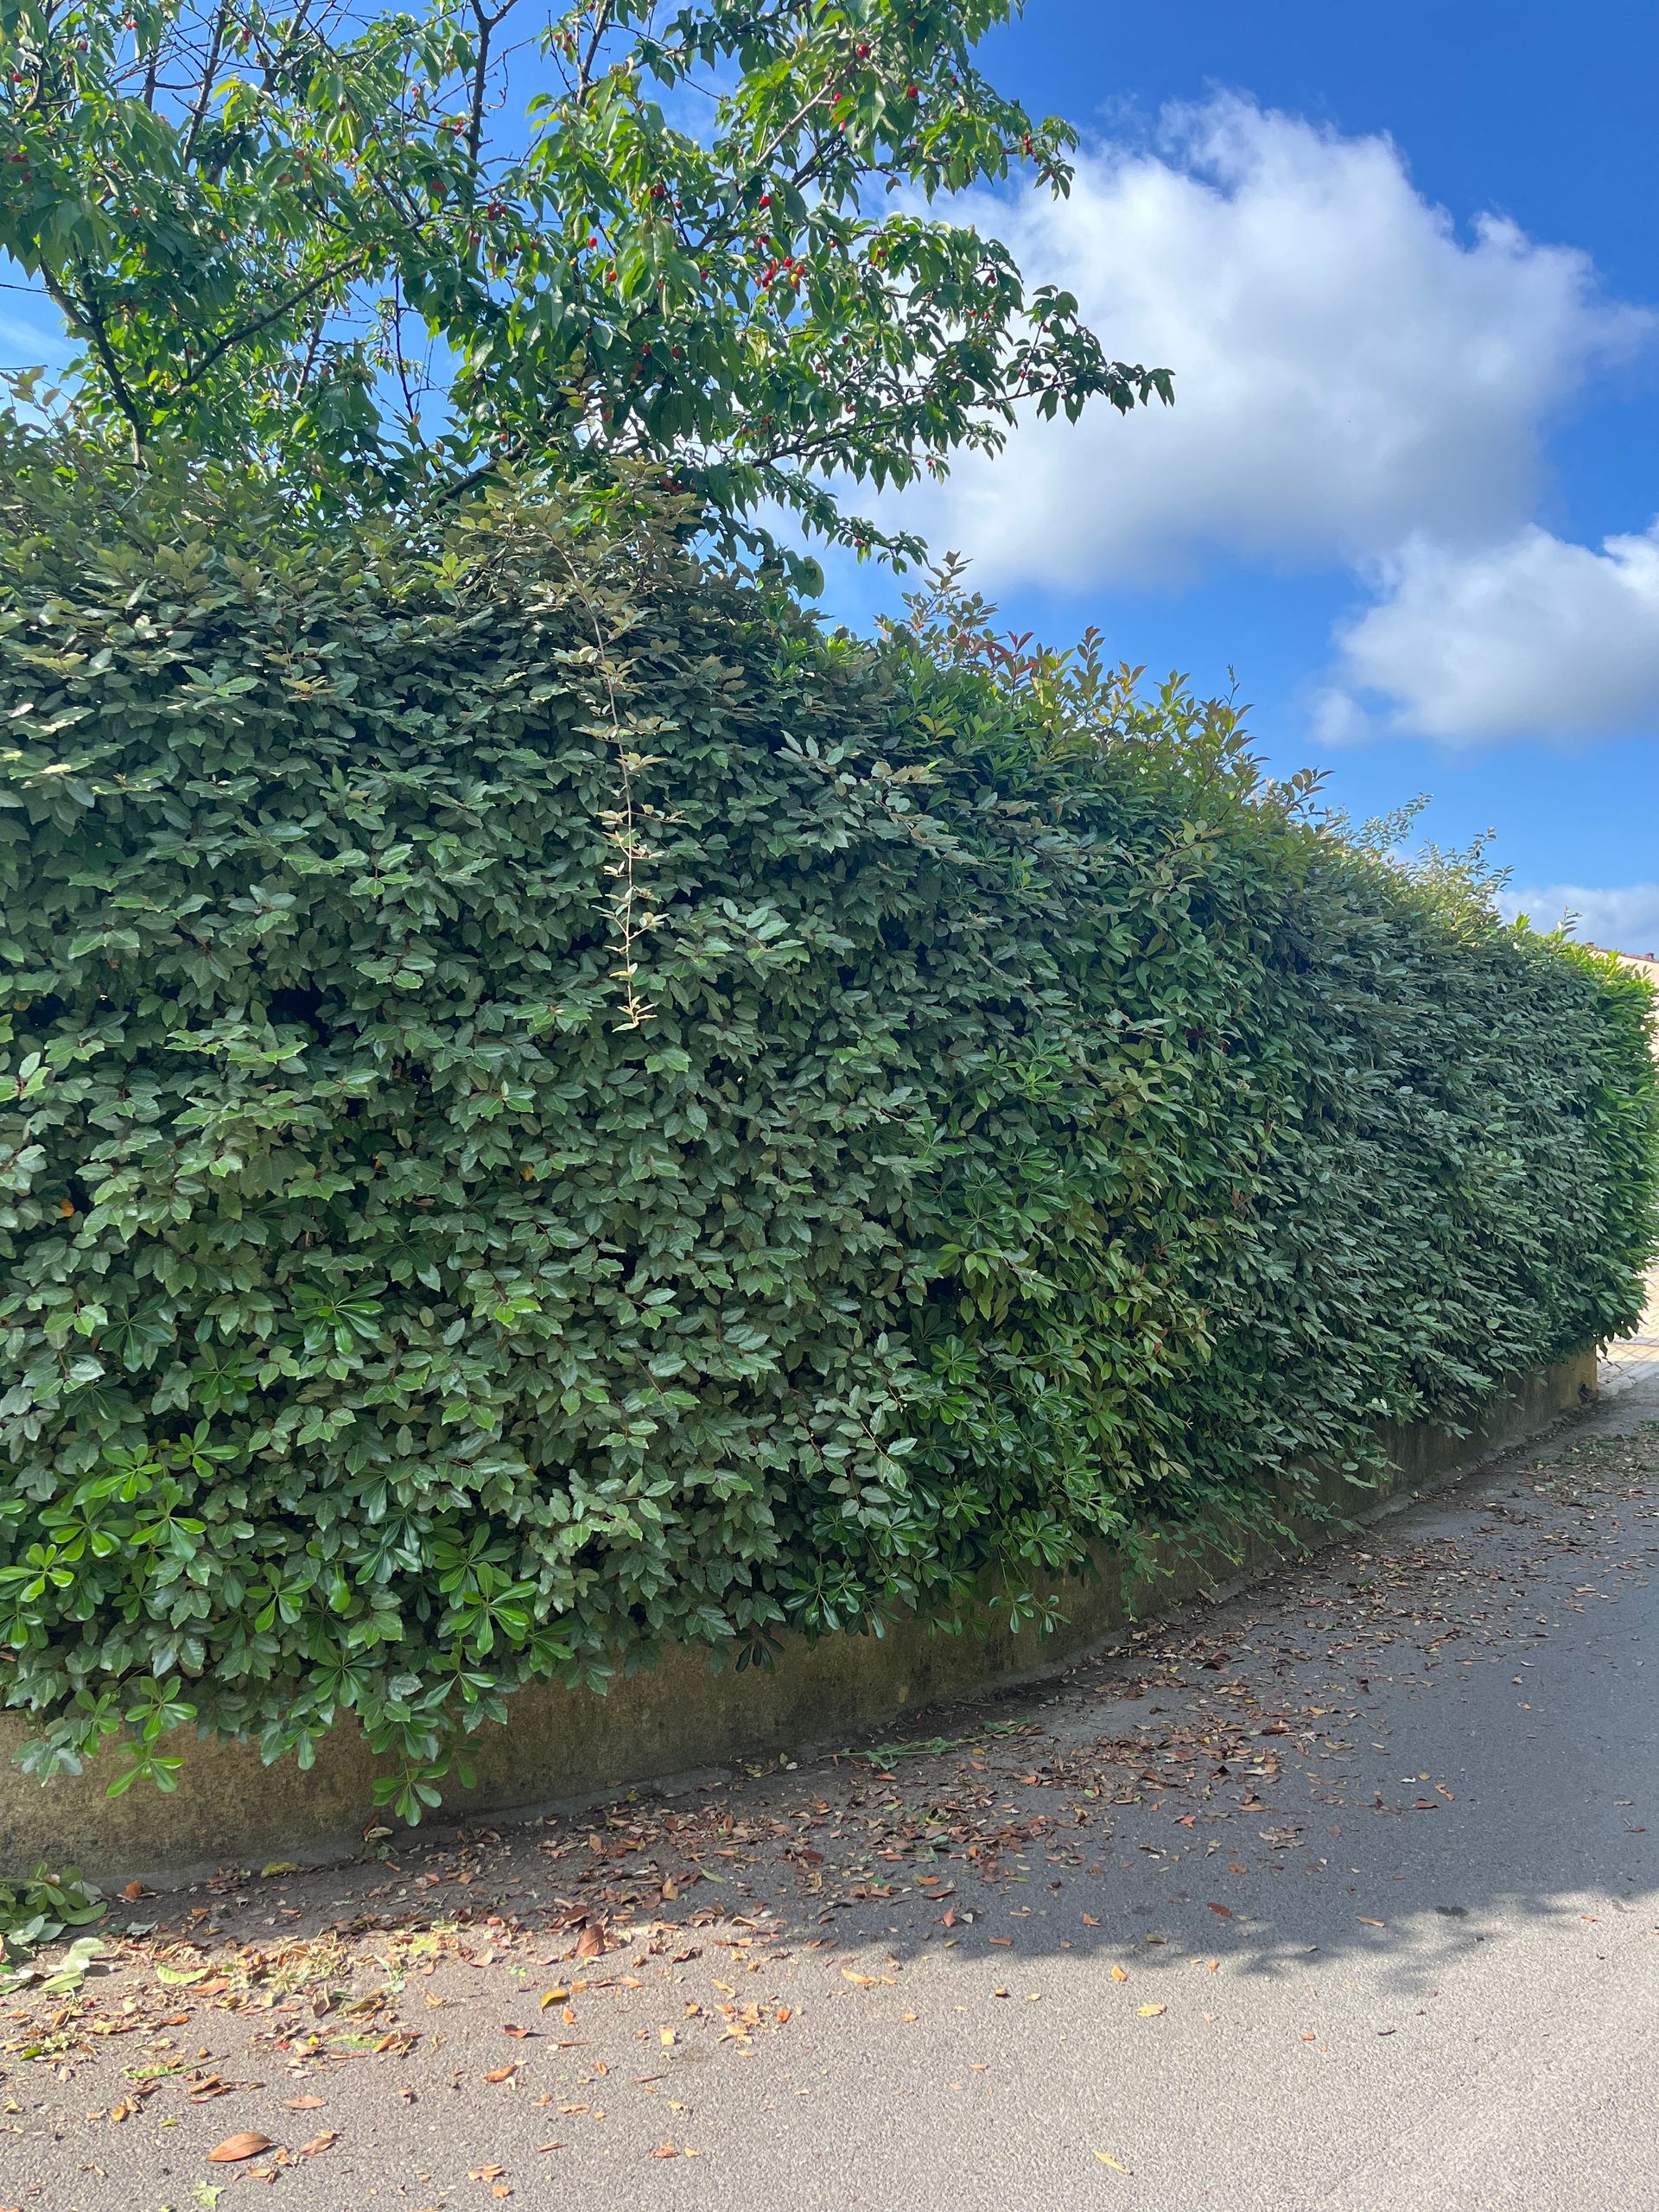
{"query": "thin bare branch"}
pixel 601 25
pixel 81 312
pixel 309 362
pixel 273 313
pixel 209 72
pixel 296 29
pixel 481 80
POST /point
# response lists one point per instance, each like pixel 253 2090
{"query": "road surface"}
pixel 1343 1895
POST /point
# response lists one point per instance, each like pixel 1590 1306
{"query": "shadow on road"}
pixel 1393 1749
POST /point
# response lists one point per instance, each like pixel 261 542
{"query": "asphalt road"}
pixel 1344 1895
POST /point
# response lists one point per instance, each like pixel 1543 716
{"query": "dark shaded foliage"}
pixel 548 1106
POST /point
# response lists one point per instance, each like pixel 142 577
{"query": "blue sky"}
pixel 1404 262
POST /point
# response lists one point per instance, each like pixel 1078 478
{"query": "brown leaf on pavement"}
pixel 319 2142
pixel 236 2147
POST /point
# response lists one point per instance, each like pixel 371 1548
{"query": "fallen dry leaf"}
pixel 319 2142
pixel 864 1981
pixel 1225 1910
pixel 590 1944
pixel 305 2104
pixel 485 2173
pixel 1151 2011
pixel 236 2147
pixel 501 2073
pixel 1116 2165
pixel 1118 1974
pixel 1368 1923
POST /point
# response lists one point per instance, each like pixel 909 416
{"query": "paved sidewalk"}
pixel 1343 1896
pixel 1634 1361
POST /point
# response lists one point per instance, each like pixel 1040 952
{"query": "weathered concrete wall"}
pixel 230 1810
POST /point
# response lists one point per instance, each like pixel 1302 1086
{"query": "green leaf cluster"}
pixel 378 253
pixel 38 1910
pixel 547 1106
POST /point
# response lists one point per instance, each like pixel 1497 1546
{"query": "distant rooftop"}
pixel 1647 961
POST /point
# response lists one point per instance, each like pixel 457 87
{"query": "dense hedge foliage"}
pixel 1004 1126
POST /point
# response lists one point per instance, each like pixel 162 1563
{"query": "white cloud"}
pixel 1349 371
pixel 1626 919
pixel 1531 636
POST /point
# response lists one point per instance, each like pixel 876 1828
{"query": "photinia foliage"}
pixel 382 254
pixel 547 1105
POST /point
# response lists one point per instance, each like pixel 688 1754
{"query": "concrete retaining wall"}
pixel 230 1810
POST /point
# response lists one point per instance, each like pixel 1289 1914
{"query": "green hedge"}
pixel 995 1135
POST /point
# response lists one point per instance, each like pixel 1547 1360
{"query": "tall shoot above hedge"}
pixel 550 1106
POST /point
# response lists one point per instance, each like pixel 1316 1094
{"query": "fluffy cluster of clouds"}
pixel 1357 385
pixel 1530 634
pixel 1627 919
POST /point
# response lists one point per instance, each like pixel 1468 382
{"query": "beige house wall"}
pixel 1647 964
